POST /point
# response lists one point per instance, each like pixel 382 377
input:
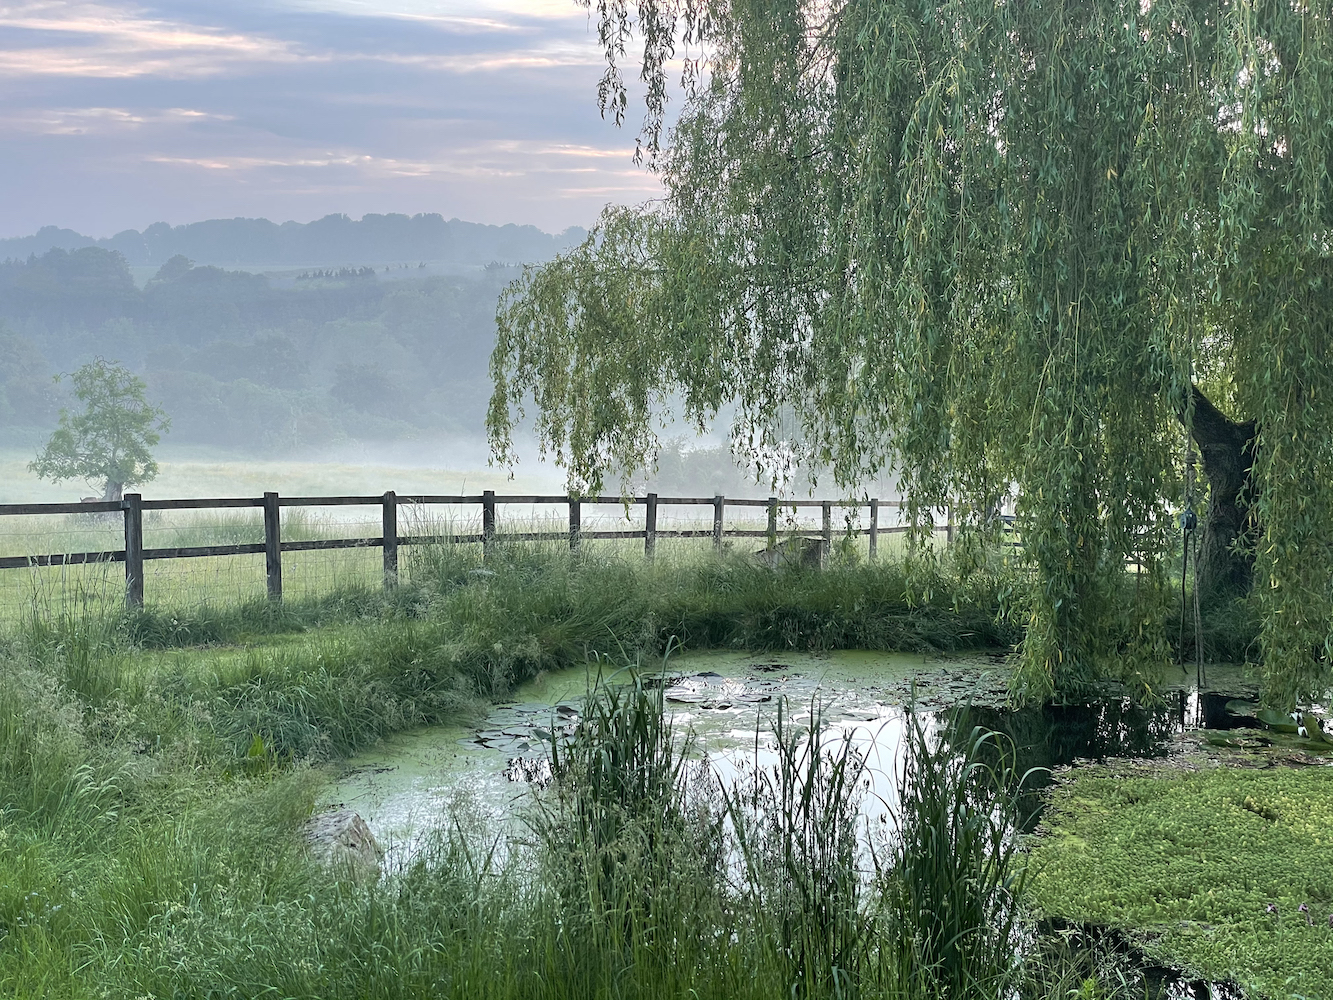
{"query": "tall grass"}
pixel 953 882
pixel 140 856
pixel 794 823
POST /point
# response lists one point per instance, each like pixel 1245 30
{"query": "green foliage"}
pixel 151 802
pixel 795 825
pixel 631 859
pixel 112 439
pixel 954 876
pixel 1188 865
pixel 987 245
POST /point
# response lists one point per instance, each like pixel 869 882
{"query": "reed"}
pixel 953 880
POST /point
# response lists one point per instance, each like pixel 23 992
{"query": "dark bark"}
pixel 1227 450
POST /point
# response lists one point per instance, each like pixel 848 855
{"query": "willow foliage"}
pixel 989 243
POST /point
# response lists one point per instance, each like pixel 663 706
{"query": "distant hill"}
pixel 247 360
pixel 334 239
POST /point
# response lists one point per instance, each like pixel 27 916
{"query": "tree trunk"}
pixel 1227 450
pixel 115 492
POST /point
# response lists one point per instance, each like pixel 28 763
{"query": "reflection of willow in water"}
pixel 1049 736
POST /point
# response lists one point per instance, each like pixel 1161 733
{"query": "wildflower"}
pixel 1303 908
pixel 1272 908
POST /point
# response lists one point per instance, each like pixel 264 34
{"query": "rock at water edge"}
pixel 341 836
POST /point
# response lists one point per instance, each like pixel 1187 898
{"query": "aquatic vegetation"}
pixel 1227 872
pixel 793 825
pixel 953 878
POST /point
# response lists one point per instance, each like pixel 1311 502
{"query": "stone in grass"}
pixel 341 837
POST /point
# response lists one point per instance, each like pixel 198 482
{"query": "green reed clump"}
pixel 631 851
pixel 952 881
pixel 794 824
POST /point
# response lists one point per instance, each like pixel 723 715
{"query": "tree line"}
pixel 334 239
pixel 239 359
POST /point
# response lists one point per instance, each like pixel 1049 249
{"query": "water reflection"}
pixel 1050 736
pixel 728 702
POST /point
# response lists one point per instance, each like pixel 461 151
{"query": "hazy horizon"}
pixel 121 115
pixel 106 236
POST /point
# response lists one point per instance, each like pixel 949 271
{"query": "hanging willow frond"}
pixel 987 243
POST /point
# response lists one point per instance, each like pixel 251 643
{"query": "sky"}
pixel 115 115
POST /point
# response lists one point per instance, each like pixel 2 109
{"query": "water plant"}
pixel 953 880
pixel 1204 870
pixel 619 829
pixel 795 827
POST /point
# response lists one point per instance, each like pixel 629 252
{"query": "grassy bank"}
pixel 130 868
pixel 155 768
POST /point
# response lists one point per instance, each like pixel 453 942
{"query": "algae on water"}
pixel 1225 871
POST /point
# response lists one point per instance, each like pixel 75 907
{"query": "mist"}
pixel 359 346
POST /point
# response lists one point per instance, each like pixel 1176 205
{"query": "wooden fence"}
pixel 133 555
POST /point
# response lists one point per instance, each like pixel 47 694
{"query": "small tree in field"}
pixel 111 440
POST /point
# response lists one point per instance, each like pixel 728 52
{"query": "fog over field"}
pixel 344 355
pixel 333 345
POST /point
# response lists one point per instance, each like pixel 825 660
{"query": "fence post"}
pixel 650 525
pixel 718 502
pixel 874 528
pixel 487 519
pixel 772 523
pixel 273 546
pixel 390 532
pixel 133 507
pixel 575 523
pixel 826 542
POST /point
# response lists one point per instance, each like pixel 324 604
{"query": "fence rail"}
pixel 133 555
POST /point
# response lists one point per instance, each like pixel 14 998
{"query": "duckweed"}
pixel 1226 873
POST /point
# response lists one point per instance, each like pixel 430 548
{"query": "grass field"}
pixel 156 769
pixel 201 473
pixel 228 580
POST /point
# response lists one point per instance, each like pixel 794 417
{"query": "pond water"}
pixel 414 782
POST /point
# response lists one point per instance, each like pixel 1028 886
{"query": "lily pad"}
pixel 1277 721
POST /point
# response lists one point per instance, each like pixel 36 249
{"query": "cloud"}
pixel 89 121
pixel 119 114
pixel 103 40
pixel 498 11
pixel 501 159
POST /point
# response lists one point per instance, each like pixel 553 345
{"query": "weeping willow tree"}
pixel 994 245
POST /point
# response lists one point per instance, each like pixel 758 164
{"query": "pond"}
pixel 412 783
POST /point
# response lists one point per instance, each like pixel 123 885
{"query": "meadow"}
pixel 157 767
